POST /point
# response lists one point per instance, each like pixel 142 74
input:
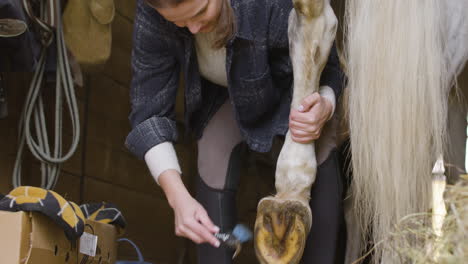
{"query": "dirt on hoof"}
pixel 281 230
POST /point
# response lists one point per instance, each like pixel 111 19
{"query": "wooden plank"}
pixel 112 99
pixel 109 98
pixel 73 165
pixel 68 185
pixel 6 171
pixel 16 85
pixel 108 112
pixel 118 65
pixel 9 135
pixel 109 132
pixel 120 168
pixel 126 8
pixel 122 29
pixel 108 126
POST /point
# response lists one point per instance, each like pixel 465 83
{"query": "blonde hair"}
pixel 226 24
pixel 397 110
pixel 226 27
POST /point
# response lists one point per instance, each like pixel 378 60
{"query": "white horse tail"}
pixel 397 110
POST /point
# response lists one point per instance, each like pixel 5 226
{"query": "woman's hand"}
pixel 191 219
pixel 306 122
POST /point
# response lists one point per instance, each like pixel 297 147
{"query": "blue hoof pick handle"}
pixel 239 235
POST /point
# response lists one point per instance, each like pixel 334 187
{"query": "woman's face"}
pixel 196 15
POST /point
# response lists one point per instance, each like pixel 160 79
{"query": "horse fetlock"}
pixel 295 177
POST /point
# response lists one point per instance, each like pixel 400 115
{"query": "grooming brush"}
pixel 234 239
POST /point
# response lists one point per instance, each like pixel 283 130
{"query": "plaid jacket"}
pixel 259 76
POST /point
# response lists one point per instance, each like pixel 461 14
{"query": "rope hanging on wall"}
pixel 32 127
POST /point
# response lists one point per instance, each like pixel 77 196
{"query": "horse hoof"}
pixel 281 230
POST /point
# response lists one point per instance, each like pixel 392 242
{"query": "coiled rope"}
pixel 33 111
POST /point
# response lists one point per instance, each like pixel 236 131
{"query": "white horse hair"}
pixel 401 60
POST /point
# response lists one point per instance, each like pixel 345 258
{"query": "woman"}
pixel 238 75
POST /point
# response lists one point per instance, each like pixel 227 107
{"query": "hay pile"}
pixel 417 242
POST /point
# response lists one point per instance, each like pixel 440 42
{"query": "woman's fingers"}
pixel 304 127
pixel 306 118
pixel 309 101
pixel 307 126
pixel 300 133
pixel 205 220
pixel 203 232
pixel 196 232
pixel 192 222
pixel 184 231
pixel 301 136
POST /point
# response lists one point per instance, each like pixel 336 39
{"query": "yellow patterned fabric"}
pixel 66 214
pixel 104 212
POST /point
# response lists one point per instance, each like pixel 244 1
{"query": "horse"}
pixel 401 58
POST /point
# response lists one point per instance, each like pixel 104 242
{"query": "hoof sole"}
pixel 281 230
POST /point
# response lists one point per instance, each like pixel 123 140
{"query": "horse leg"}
pixel 284 220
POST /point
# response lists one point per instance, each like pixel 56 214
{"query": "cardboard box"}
pixel 106 252
pixel 32 238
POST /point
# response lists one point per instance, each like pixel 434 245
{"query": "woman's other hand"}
pixel 191 219
pixel 306 122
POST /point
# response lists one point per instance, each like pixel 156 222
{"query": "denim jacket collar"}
pixel 243 25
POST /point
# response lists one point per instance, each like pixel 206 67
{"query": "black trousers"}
pixel 326 243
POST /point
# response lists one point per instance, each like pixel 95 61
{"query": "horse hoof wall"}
pixel 281 230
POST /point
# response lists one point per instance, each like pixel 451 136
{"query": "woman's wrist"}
pixel 173 186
